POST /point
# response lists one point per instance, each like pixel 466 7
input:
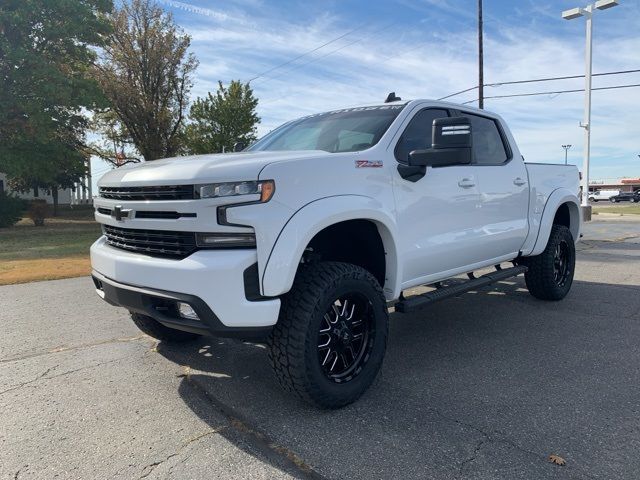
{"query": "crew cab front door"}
pixel 438 222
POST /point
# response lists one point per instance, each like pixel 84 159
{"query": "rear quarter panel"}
pixel 551 186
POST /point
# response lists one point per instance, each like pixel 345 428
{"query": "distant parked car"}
pixel 626 197
pixel 602 195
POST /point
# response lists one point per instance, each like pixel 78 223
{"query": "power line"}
pixel 613 87
pixel 559 78
pixel 458 93
pixel 315 59
pixel 547 79
pixel 305 53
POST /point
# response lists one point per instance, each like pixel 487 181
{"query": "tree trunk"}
pixel 54 195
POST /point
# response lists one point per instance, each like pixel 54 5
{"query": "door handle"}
pixel 519 182
pixel 466 183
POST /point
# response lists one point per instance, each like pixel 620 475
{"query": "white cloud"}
pixel 420 62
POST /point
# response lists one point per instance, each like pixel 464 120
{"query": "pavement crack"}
pixel 29 382
pixel 472 458
pixel 73 348
pixel 496 437
pixel 488 438
pixel 148 469
pixel 43 376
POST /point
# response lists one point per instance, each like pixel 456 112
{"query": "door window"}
pixel 349 141
pixel 488 147
pixel 417 135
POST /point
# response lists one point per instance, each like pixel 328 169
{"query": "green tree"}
pixel 46 52
pixel 145 72
pixel 219 121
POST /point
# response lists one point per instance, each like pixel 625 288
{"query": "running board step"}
pixel 416 302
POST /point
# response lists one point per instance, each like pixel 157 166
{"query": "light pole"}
pixel 587 12
pixel 566 149
pixel 480 59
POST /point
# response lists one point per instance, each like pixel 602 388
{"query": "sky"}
pixel 314 56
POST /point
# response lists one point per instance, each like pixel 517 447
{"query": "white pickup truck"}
pixel 305 238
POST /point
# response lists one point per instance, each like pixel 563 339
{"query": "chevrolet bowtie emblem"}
pixel 119 213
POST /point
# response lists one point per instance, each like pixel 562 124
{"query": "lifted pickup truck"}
pixel 306 237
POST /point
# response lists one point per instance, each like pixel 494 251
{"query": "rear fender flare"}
pixel 557 198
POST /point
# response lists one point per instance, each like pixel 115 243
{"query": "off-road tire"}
pixel 293 343
pixel 540 278
pixel 155 329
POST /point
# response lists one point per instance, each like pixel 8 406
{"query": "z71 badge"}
pixel 369 163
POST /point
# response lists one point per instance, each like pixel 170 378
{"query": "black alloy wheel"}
pixel 561 264
pixel 346 337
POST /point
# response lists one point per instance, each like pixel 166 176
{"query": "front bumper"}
pixel 211 281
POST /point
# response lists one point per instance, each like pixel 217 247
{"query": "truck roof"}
pixel 421 100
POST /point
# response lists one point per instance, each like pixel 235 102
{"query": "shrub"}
pixel 38 211
pixel 11 209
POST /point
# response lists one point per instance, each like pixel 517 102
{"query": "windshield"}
pixel 346 130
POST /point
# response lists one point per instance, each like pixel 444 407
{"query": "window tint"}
pixel 417 135
pixel 488 148
pixel 349 141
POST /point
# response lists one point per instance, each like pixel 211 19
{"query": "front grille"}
pixel 153 214
pixel 156 243
pixel 169 192
pixel 165 215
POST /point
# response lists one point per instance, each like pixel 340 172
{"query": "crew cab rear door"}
pixel 502 182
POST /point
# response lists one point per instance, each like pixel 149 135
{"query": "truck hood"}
pixel 223 167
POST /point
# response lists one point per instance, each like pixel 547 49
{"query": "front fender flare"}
pixel 285 256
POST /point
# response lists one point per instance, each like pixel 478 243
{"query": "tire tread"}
pixel 289 339
pixel 539 277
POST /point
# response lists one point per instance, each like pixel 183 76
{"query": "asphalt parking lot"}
pixel 485 385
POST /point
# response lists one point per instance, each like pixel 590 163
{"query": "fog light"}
pixel 186 311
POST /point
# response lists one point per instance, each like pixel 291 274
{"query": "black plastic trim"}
pixel 415 302
pixel 163 215
pixel 160 305
pixel 251 279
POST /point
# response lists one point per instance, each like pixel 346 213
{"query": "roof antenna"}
pixel 392 98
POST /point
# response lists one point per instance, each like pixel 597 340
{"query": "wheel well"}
pixel 569 216
pixel 563 216
pixel 353 241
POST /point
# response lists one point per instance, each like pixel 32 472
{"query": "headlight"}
pixel 264 188
pixel 226 240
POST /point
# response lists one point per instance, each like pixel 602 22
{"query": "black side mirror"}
pixel 450 144
pixel 238 146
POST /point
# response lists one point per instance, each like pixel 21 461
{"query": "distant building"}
pixel 621 184
pixel 79 195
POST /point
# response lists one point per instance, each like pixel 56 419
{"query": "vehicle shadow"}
pixel 493 380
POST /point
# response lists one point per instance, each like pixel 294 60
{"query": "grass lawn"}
pixel 618 208
pixel 60 249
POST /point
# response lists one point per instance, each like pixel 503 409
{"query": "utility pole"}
pixel 566 149
pixel 480 59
